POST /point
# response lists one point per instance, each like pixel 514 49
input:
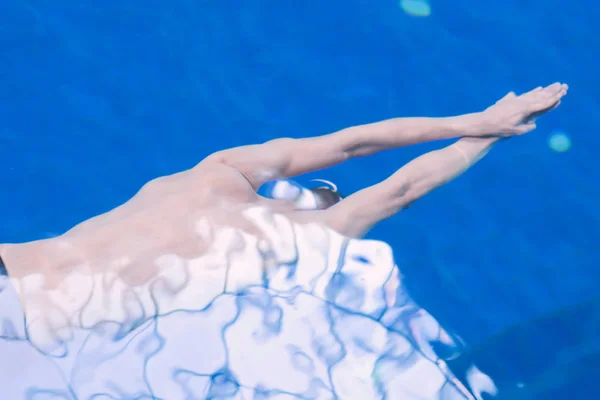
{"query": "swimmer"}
pixel 160 218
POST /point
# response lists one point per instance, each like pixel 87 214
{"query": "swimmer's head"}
pixel 316 198
pixel 327 195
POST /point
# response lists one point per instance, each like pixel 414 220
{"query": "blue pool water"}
pixel 98 99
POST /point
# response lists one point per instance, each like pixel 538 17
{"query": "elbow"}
pixel 412 194
pixel 415 187
pixel 394 198
pixel 402 202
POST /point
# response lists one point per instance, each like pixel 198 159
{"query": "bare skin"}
pixel 161 217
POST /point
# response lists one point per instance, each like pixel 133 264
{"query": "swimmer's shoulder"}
pixel 223 179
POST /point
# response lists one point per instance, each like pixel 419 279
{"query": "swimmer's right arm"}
pixel 358 213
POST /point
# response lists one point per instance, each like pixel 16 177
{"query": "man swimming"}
pixel 162 217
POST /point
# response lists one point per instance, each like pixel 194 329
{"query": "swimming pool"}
pixel 100 99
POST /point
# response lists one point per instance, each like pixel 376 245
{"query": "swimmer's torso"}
pixel 165 216
pixel 171 235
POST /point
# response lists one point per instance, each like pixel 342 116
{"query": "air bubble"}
pixel 559 142
pixel 416 8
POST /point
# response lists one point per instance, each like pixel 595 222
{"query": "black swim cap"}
pixel 326 196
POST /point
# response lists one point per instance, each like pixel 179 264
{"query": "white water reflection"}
pixel 306 313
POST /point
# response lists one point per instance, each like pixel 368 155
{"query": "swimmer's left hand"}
pixel 515 115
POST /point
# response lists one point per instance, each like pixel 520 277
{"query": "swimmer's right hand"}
pixel 515 115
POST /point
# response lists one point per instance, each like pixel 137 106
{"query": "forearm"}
pixel 434 169
pixel 355 215
pixel 286 157
pixel 368 139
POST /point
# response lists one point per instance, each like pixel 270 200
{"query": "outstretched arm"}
pixel 358 213
pixel 286 157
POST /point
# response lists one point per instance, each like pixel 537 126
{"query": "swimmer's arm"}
pixel 287 157
pixel 358 213
pixel 281 158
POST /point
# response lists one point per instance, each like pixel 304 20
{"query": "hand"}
pixel 515 115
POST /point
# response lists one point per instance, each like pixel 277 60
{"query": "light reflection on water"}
pixel 310 314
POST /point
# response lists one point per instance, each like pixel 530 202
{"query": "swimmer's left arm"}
pixel 287 157
pixel 282 158
pixel 357 214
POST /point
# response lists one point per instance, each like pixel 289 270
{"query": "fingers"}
pixel 525 128
pixel 549 96
pixel 507 96
pixel 536 90
pixel 541 100
pixel 535 103
pixel 542 92
pixel 554 106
